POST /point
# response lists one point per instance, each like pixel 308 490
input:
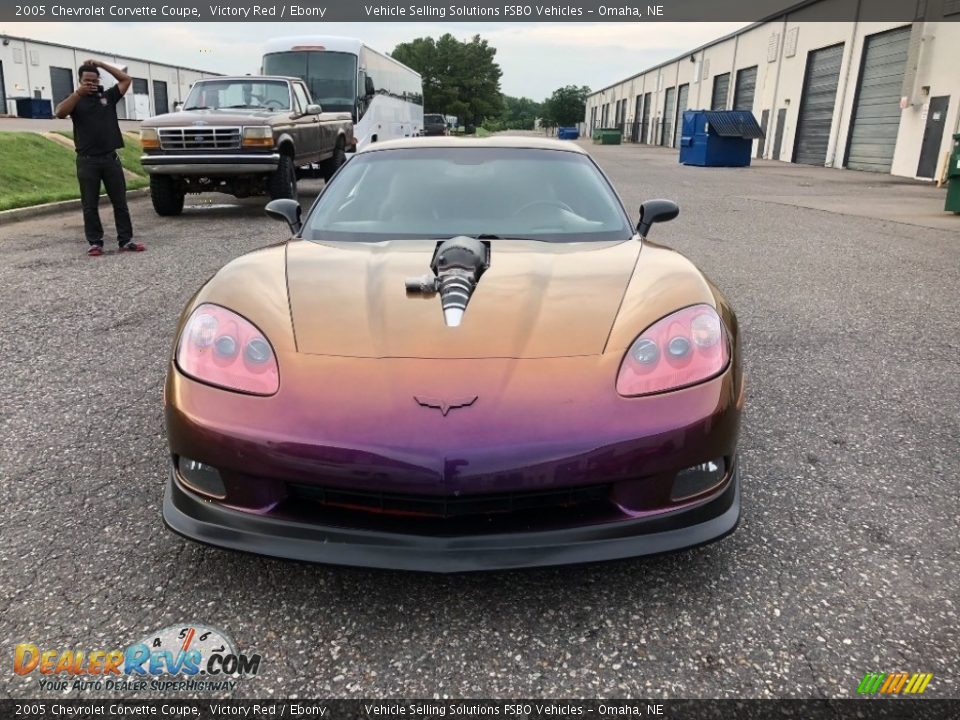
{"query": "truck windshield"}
pixel 440 192
pixel 331 76
pixel 223 94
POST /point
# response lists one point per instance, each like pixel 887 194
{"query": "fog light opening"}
pixel 698 479
pixel 201 478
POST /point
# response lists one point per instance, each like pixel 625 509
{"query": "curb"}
pixel 18 214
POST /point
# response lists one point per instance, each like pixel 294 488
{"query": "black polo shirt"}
pixel 95 127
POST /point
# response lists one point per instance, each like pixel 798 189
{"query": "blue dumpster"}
pixel 718 138
pixel 29 107
pixel 567 133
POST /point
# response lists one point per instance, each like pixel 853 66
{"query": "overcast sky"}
pixel 536 58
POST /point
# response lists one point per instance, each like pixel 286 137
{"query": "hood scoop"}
pixel 457 265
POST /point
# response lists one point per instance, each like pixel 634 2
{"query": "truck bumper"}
pixel 209 164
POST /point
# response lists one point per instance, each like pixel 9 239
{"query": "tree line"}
pixel 462 78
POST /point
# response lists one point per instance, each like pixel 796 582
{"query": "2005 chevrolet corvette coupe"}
pixel 466 357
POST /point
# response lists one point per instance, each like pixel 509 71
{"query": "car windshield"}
pixel 434 119
pixel 238 94
pixel 331 76
pixel 431 192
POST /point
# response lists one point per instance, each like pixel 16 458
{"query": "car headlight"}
pixel 258 136
pixel 149 139
pixel 221 348
pixel 684 348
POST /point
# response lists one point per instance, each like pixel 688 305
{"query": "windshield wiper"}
pixel 488 236
pixel 237 107
pixel 198 107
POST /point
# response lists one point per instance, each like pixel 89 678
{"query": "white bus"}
pixel 344 75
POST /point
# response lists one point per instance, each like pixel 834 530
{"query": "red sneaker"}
pixel 95 250
pixel 131 246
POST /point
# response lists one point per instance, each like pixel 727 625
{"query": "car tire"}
pixel 329 166
pixel 166 194
pixel 282 183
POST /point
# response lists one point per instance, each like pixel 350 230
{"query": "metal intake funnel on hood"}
pixel 457 265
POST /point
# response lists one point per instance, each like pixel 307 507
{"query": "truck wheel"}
pixel 329 166
pixel 166 194
pixel 283 182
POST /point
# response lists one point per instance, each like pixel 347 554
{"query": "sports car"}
pixel 466 357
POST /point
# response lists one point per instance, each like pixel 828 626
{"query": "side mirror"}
pixel 368 89
pixel 287 210
pixel 656 211
pixel 313 109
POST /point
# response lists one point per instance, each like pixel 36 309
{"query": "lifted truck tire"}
pixel 167 197
pixel 283 182
pixel 329 166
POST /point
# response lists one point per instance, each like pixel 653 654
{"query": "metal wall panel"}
pixel 721 88
pixel 876 115
pixel 817 104
pixel 745 89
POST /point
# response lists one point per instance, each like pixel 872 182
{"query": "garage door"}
pixel 721 87
pixel 3 92
pixel 645 122
pixel 817 104
pixel 683 96
pixel 745 89
pixel 876 119
pixel 61 84
pixel 669 109
pixel 160 105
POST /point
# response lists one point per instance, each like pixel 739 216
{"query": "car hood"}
pixel 536 300
pixel 211 117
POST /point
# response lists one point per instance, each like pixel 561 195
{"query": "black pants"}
pixel 91 171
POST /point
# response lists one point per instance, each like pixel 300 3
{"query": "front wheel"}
pixel 329 166
pixel 282 183
pixel 166 194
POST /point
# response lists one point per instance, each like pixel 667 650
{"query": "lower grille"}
pixel 450 506
pixel 200 138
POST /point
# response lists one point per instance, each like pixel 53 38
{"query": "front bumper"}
pixel 215 165
pixel 210 523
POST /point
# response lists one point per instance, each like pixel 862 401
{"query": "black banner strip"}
pixel 288 11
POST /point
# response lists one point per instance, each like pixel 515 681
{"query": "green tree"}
pixel 459 78
pixel 520 113
pixel 566 106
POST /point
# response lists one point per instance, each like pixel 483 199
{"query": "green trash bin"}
pixel 607 136
pixel 953 178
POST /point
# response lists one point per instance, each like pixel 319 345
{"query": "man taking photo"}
pixel 97 137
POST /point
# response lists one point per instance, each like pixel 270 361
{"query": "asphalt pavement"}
pixel 845 561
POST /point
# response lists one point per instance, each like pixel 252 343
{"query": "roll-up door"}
pixel 721 87
pixel 645 123
pixel 876 115
pixel 160 98
pixel 745 89
pixel 817 104
pixel 683 95
pixel 669 108
pixel 61 84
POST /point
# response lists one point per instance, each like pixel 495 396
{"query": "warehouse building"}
pixel 48 71
pixel 864 95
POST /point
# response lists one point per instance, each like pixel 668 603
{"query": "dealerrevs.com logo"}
pixel 187 657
